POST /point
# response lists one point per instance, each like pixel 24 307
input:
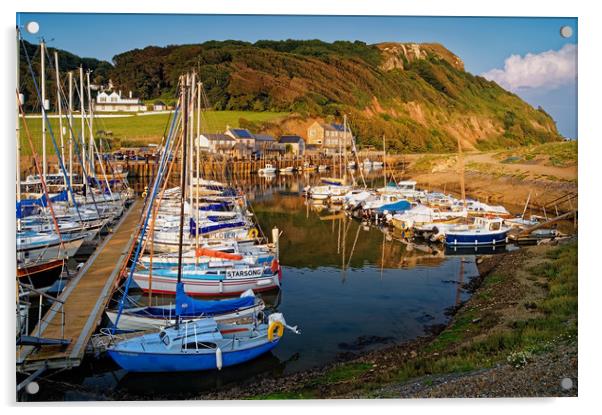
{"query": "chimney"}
pixel 120 93
pixel 130 94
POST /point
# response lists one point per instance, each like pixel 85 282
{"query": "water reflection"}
pixel 350 288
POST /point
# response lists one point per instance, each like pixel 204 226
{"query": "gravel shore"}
pixel 545 376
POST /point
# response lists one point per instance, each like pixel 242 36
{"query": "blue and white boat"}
pixel 234 253
pixel 40 247
pixel 197 345
pixel 199 281
pixel 156 317
pixel 385 204
pixel 483 231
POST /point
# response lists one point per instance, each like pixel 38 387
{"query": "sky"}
pixel 527 56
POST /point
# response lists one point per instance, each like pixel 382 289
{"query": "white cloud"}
pixel 546 70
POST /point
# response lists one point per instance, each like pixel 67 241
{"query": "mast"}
pixel 461 166
pixel 71 128
pixel 344 165
pixel 384 163
pixel 43 82
pixel 90 119
pixel 81 113
pixel 198 157
pixel 184 99
pixel 190 139
pixel 339 157
pixel 18 131
pixel 59 106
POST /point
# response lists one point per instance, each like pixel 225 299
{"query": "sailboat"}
pixel 156 317
pixel 200 344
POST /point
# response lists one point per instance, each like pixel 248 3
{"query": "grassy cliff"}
pixel 418 95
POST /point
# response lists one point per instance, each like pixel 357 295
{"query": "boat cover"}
pixel 186 305
pixel 24 207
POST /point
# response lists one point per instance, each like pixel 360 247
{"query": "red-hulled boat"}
pixel 40 275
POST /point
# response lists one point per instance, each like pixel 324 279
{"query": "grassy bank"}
pixel 136 130
pixel 525 307
pixel 562 154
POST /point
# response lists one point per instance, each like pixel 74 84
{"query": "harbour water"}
pixel 350 288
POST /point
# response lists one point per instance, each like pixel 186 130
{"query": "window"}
pixel 193 345
pixel 164 338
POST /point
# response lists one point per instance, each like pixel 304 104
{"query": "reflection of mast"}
pixel 460 282
pixel 339 239
pixel 357 234
pixel 382 259
pixel 344 243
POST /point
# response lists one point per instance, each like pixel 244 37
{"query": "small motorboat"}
pixel 289 169
pixel 268 169
pixel 309 167
pixel 483 231
pixel 322 167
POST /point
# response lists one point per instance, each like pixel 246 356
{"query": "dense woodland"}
pixel 424 106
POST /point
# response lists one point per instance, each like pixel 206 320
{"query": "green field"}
pixel 138 130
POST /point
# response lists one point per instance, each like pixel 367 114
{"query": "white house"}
pixel 216 143
pixel 114 102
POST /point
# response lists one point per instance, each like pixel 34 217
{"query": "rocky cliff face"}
pixel 399 55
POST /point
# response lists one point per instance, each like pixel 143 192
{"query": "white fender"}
pixel 248 293
pixel 218 359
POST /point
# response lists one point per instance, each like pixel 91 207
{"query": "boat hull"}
pixel 49 251
pixel 189 362
pixel 136 322
pixel 206 287
pixel 41 275
pixel 475 239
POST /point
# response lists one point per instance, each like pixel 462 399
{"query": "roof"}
pixel 333 127
pixel 241 133
pixel 138 104
pixel 218 137
pixel 263 137
pixel 290 139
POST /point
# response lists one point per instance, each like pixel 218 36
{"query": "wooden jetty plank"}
pixel 85 302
